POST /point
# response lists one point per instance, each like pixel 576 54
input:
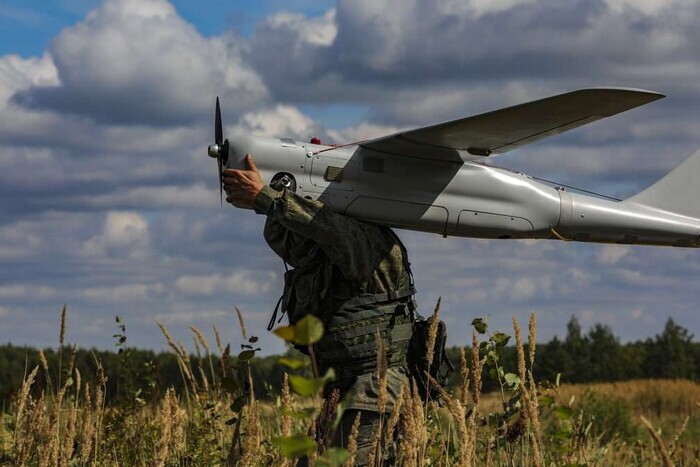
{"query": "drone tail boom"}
pixel 678 192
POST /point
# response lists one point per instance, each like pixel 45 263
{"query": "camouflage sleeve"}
pixel 356 247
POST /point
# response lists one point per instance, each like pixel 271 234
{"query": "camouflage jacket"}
pixel 335 259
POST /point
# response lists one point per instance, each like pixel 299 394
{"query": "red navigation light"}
pixel 315 140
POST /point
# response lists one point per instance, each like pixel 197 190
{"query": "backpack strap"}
pixel 404 253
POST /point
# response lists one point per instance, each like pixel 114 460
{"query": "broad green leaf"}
pixel 295 446
pixel 333 457
pixel 246 355
pixel 238 404
pixel 229 384
pixel 512 379
pixel 293 363
pixel 329 376
pixel 564 412
pixel 285 332
pixel 308 330
pixel 305 386
pixel 500 339
pixel 309 386
pixel 546 401
pixel 480 325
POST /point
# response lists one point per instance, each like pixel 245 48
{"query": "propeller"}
pixel 219 149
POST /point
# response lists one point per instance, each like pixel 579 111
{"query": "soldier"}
pixel 355 277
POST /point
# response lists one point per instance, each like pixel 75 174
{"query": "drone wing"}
pixel 502 130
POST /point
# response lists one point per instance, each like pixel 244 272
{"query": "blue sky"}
pixel 110 204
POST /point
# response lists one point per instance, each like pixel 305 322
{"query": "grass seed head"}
pixel 218 339
pixel 659 442
pixel 44 362
pixel 352 441
pixel 464 376
pixel 286 424
pixel 200 337
pixel 531 342
pixel 62 335
pixel 432 332
pixel 477 366
pixel 241 322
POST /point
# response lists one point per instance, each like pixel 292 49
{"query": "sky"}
pixel 109 203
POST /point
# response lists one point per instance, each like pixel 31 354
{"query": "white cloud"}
pixel 522 288
pixel 360 132
pixel 318 31
pixel 26 291
pixel 141 197
pixel 190 317
pixel 612 254
pixel 279 121
pixel 125 293
pixel 124 233
pixel 18 73
pixel 640 314
pixel 480 7
pixel 243 282
pixel 138 61
pixel 16 240
pixel 648 7
pixel 590 317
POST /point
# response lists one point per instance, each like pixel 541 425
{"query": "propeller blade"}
pixel 218 129
pixel 220 149
pixel 221 180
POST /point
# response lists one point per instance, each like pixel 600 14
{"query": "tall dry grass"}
pixel 217 421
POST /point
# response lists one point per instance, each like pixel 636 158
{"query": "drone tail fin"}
pixel 678 192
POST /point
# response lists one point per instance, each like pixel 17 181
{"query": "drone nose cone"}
pixel 214 151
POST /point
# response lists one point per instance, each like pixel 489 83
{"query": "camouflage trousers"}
pixel 366 437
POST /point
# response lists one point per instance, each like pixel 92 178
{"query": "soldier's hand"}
pixel 242 185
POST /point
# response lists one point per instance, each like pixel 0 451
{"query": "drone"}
pixel 435 179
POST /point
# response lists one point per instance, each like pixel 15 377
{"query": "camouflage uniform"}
pixel 356 278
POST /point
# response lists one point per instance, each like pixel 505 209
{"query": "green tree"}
pixel 671 353
pixel 576 348
pixel 607 352
pixel 552 358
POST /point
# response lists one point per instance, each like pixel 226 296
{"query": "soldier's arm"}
pixel 356 247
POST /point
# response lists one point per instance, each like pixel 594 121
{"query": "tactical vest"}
pixel 350 316
pixel 349 344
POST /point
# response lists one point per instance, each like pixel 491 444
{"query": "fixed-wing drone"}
pixel 434 179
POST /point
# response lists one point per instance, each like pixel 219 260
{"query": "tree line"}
pixel 143 375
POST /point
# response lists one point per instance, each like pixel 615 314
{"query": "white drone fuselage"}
pixel 458 197
pixel 436 179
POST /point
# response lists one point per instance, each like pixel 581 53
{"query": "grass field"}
pixel 217 421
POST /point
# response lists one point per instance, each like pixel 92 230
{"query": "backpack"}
pixel 417 358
